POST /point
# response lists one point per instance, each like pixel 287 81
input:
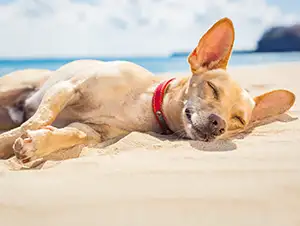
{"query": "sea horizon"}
pixel 155 64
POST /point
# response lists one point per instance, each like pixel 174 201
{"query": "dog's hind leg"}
pixel 53 102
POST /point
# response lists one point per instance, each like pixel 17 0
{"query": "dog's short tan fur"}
pixel 108 99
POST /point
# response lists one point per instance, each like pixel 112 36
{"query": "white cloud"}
pixel 126 27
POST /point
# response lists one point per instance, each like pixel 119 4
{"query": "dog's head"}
pixel 215 105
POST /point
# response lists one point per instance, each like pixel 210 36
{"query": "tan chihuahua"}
pixel 92 101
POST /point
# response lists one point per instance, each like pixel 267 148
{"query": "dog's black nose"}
pixel 216 125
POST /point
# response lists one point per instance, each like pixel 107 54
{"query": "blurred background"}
pixel 157 34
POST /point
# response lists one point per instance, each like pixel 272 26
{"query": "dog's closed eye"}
pixel 239 119
pixel 214 90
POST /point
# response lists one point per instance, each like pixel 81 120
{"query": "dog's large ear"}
pixel 214 48
pixel 272 104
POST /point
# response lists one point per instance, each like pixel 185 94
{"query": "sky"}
pixel 72 28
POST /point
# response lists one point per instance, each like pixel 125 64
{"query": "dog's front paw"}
pixel 26 146
pixel 24 150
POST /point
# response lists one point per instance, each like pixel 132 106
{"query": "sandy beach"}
pixel 147 180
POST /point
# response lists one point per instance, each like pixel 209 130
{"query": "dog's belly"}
pixel 113 94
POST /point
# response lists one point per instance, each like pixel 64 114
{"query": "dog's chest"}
pixel 138 113
pixel 131 112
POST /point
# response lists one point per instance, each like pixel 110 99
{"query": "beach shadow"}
pixel 218 145
pixel 215 146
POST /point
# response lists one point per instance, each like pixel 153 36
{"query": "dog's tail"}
pixel 15 88
pixel 12 107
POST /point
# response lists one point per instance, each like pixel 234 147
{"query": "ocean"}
pixel 153 64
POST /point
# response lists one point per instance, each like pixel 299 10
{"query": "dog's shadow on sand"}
pixel 218 145
pixel 229 144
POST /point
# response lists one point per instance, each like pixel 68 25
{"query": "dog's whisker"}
pixel 180 134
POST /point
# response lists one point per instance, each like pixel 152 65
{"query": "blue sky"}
pixel 32 28
pixel 287 6
pixel 5 1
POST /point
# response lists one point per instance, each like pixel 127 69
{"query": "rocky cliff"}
pixel 280 39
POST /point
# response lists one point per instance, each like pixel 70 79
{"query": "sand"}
pixel 153 180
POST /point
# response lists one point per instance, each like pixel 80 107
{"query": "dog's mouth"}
pixel 196 132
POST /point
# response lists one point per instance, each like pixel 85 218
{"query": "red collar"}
pixel 157 102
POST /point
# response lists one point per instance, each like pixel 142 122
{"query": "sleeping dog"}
pixel 87 101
